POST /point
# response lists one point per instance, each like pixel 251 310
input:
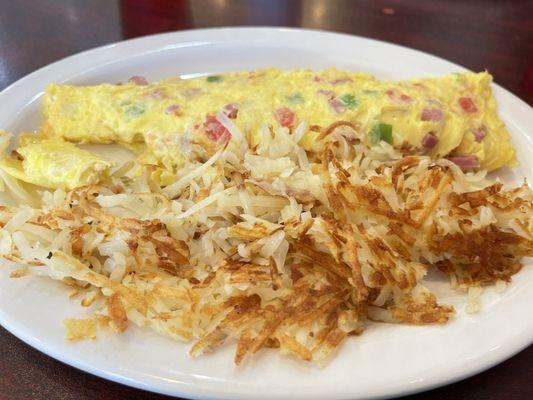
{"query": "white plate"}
pixel 387 360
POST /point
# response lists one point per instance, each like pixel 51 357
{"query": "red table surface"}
pixel 480 34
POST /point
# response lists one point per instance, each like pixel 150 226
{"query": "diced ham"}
pixel 192 92
pixel 336 105
pixel 430 140
pixel 480 133
pixel 231 110
pixel 337 81
pixel 467 105
pixel 468 161
pixel 341 80
pixel 432 114
pixel 155 94
pixel 285 116
pixel 325 92
pixel 138 80
pixel 398 96
pixel 174 109
pixel 215 130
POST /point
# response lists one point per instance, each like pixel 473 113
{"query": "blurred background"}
pixel 479 34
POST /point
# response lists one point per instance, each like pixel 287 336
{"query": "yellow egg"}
pixel 174 115
pixel 54 163
pixel 485 134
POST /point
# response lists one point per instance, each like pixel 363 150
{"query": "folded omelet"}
pixel 486 136
pixel 52 163
pixel 453 114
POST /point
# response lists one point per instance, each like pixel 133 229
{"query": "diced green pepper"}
pixel 134 111
pixel 348 100
pixel 295 98
pixel 370 92
pixel 214 78
pixel 386 133
pixel 381 132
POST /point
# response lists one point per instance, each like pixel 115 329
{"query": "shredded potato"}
pixel 79 329
pixel 273 246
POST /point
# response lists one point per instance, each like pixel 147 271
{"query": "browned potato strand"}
pixel 272 246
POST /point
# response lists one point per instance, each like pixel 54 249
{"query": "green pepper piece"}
pixel 214 78
pixel 348 100
pixel 295 98
pixel 134 111
pixel 381 132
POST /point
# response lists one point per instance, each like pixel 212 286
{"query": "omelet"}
pixel 452 115
pixel 53 163
pixel 486 137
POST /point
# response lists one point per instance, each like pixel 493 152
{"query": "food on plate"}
pixel 452 115
pixel 78 329
pixel 272 235
pixel 52 163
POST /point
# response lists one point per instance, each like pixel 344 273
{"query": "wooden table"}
pixel 480 34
